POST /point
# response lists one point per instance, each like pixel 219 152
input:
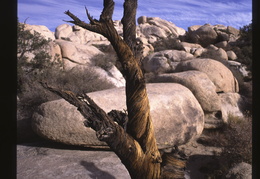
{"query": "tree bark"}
pixel 139 126
pixel 136 147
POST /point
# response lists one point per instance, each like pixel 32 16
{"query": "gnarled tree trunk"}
pixel 136 147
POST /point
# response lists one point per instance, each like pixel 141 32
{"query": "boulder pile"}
pixel 193 80
pixel 195 87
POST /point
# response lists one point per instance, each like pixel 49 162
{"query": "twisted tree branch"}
pixel 139 124
pixel 124 145
pixel 136 147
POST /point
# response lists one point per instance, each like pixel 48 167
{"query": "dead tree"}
pixel 136 146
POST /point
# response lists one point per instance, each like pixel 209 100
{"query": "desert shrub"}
pixel 104 61
pixel 29 69
pixel 238 145
pixel 108 59
pixel 246 90
pixel 243 46
pixel 168 42
pixel 40 68
pixel 78 81
pixel 34 44
pixel 105 48
pixel 235 139
pixel 246 34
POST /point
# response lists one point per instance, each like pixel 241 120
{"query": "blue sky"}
pixel 183 13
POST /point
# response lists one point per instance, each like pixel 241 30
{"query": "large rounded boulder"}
pixel 218 73
pixel 177 116
pixel 204 35
pixel 200 85
pixel 165 60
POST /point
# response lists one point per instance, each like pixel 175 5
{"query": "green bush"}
pixel 243 46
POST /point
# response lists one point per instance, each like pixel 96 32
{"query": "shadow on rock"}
pixel 95 171
pixel 203 166
pixel 56 145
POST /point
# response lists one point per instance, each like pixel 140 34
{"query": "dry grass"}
pixel 32 94
pixel 238 136
pixel 235 139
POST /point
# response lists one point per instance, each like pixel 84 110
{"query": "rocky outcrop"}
pixel 206 78
pixel 43 30
pixel 164 61
pixel 194 91
pixel 154 28
pixel 207 34
pixel 215 53
pixel 232 104
pixel 77 53
pixel 190 47
pixel 200 85
pixel 240 68
pixel 62 31
pixel 204 35
pixel 112 75
pixel 52 48
pixel 242 171
pixel 222 44
pixel 231 55
pixel 177 116
pixel 219 74
pixel 76 46
pixel 77 34
pixel 191 60
pixel 65 126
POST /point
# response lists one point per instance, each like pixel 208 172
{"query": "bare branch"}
pixel 92 27
pixel 72 16
pixel 137 147
pixel 90 18
pixel 140 124
pixel 86 107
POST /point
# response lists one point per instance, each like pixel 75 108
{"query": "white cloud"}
pixel 235 19
pixel 183 13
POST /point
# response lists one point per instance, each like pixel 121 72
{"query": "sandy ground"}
pixel 45 160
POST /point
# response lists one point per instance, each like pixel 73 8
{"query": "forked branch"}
pixel 136 147
pixel 139 125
